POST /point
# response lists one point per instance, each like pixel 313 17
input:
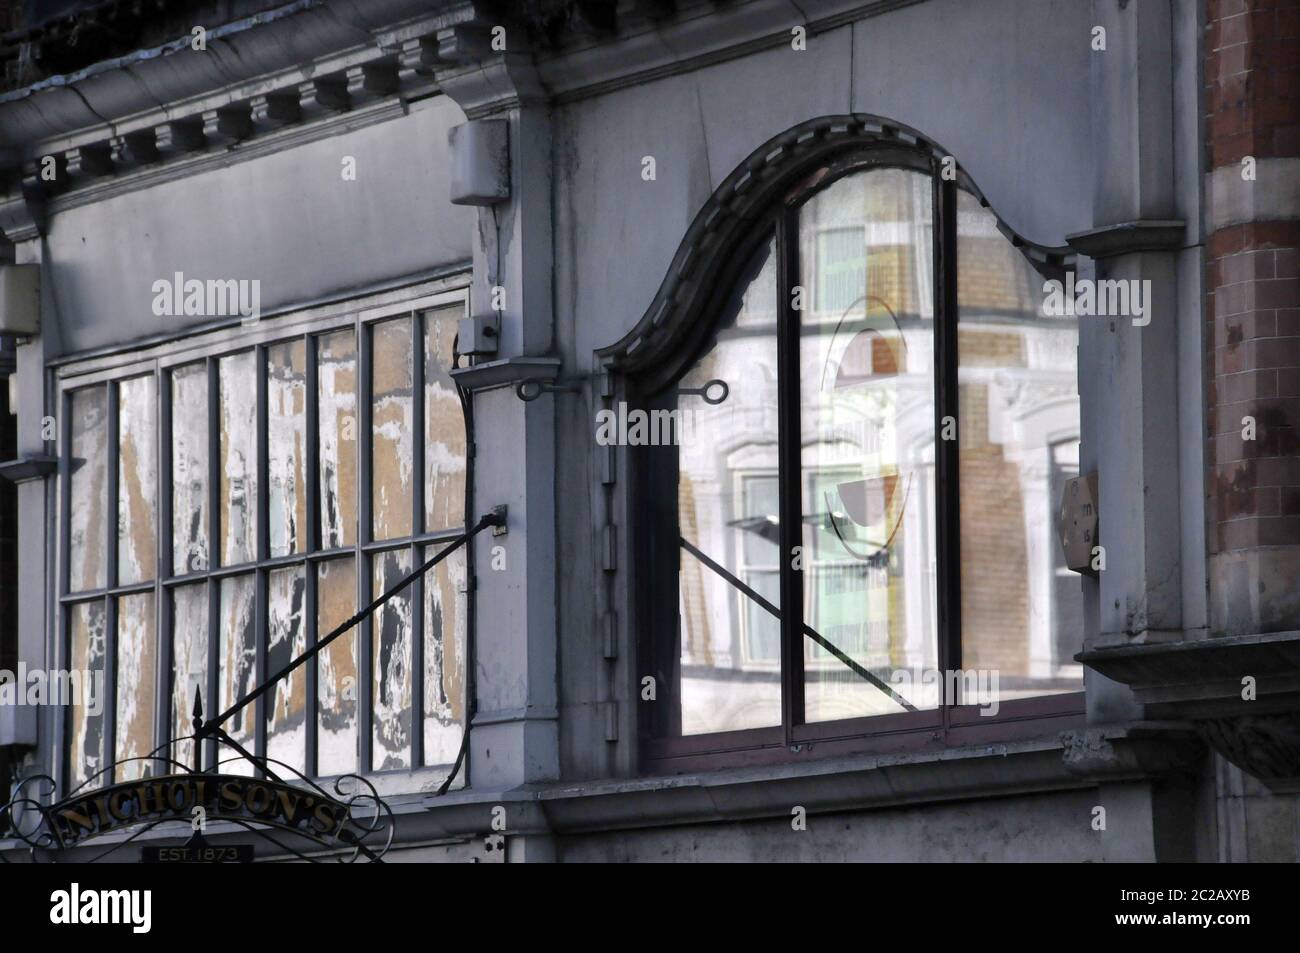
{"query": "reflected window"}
pixel 833 563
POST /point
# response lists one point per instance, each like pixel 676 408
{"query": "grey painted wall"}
pixel 288 219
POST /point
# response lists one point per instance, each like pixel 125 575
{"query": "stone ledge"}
pixel 1071 761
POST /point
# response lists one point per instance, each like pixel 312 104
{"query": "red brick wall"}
pixel 1252 80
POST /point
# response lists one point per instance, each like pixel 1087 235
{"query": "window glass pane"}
pixel 86 623
pixel 391 409
pixel 133 731
pixel 238 669
pixel 238 382
pixel 390 629
pixel 444 425
pixel 866 362
pixel 286 438
pixel 286 724
pixel 336 671
pixel 190 661
pixel 137 480
pixel 189 468
pixel 336 372
pixel 728 675
pixel 444 657
pixel 1019 442
pixel 88 489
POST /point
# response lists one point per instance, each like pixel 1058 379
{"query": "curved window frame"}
pixel 638 380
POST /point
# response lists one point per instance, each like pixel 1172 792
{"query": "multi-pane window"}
pixel 866 517
pixel 224 511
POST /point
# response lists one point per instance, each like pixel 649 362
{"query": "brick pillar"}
pixel 1252 85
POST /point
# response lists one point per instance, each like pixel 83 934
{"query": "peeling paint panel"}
pixel 137 480
pixel 238 671
pixel 444 657
pixel 88 489
pixel 190 664
pixel 444 425
pixel 390 637
pixel 86 621
pixel 336 669
pixel 286 723
pixel 133 731
pixel 391 409
pixel 238 395
pixel 189 468
pixel 286 423
pixel 336 373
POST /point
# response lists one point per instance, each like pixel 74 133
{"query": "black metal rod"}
pixel 807 629
pixel 495 518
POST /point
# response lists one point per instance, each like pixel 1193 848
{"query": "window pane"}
pixel 444 425
pixel 189 469
pixel 238 383
pixel 88 489
pixel 1018 438
pixel 238 670
pixel 137 480
pixel 391 409
pixel 286 425
pixel 133 732
pixel 866 361
pixel 286 725
pixel 336 371
pixel 444 657
pixel 390 629
pixel 336 672
pixel 86 622
pixel 729 679
pixel 190 661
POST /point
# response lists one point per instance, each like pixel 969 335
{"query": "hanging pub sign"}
pixel 357 821
pixel 188 796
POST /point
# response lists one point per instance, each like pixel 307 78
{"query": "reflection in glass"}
pixel 1019 442
pixel 444 425
pixel 133 730
pixel 189 468
pixel 336 371
pixel 86 624
pixel 444 657
pixel 286 427
pixel 137 480
pixel 190 665
pixel 390 658
pixel 237 375
pixel 866 363
pixel 286 724
pixel 391 409
pixel 88 489
pixel 238 669
pixel 729 646
pixel 336 669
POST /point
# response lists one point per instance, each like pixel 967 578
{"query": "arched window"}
pixel 852 533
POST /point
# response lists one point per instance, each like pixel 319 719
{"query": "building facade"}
pixel 894 405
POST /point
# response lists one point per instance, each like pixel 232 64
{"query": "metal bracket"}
pixel 532 389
